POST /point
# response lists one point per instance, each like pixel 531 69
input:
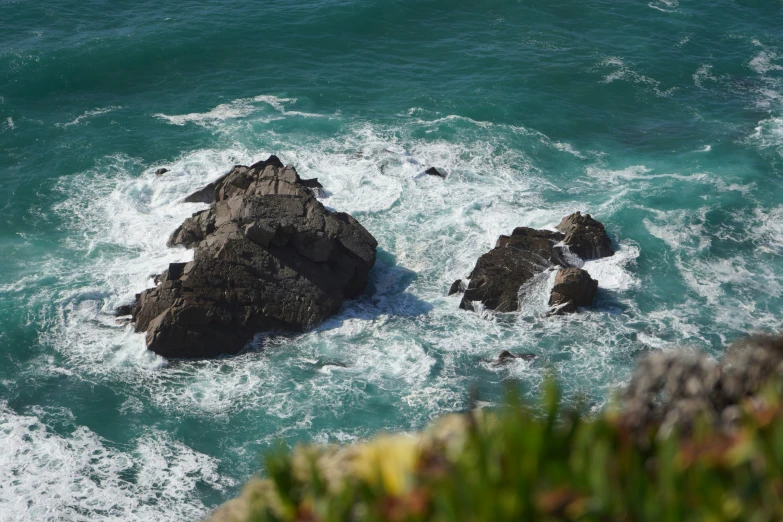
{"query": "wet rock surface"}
pixel 268 256
pixel 573 288
pixel 585 236
pixel 499 274
pixel 456 287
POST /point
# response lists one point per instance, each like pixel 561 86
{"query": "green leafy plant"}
pixel 539 464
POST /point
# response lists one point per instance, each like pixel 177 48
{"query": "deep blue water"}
pixel 663 119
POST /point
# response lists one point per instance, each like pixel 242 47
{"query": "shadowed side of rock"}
pixel 268 255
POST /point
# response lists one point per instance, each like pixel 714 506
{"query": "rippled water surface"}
pixel 663 119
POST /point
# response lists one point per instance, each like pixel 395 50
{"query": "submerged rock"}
pixel 573 288
pixel 161 172
pixel 268 255
pixel 499 274
pixel 432 171
pixel 506 356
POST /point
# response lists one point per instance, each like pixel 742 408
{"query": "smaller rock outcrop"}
pixel 457 287
pixel 573 288
pixel 499 274
pixel 432 171
pixel 161 172
pixel 585 236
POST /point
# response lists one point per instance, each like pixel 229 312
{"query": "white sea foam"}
pixel 615 273
pixel 566 147
pixel 702 74
pixel 237 109
pixel 623 71
pixel 679 229
pixel 47 477
pixel 731 287
pixel 667 6
pixel 89 114
pixel 640 173
pixel 769 95
pixel 768 135
pixel 10 122
pixel 768 227
pixel 763 62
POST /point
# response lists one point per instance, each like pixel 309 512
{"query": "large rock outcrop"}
pixel 268 255
pixel 500 273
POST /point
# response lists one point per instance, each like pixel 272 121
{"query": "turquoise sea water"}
pixel 663 119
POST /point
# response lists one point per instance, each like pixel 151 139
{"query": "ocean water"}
pixel 664 119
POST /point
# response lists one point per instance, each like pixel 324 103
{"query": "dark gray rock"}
pixel 573 288
pixel 161 172
pixel 499 274
pixel 268 256
pixel 585 236
pixel 456 287
pixel 506 356
pixel 124 310
pixel 265 177
pixel 432 171
pixel 314 186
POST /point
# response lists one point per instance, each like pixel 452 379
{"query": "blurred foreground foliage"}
pixel 538 464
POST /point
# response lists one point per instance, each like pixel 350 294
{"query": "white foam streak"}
pixel 623 71
pixel 769 229
pixel 87 115
pixel 46 477
pixel 763 63
pixel 703 73
pixel 566 147
pixel 769 135
pixel 238 109
pixel 666 6
pixel 615 273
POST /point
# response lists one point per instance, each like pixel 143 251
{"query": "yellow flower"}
pixel 390 460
